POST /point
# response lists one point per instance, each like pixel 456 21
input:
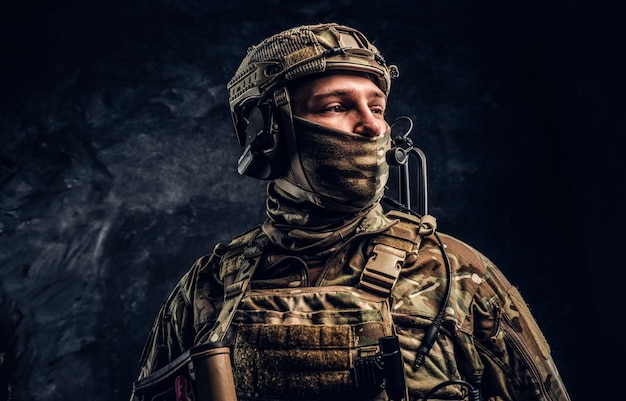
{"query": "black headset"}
pixel 263 155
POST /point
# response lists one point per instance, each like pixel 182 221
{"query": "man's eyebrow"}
pixel 343 92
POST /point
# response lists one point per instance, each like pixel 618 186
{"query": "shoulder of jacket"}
pixel 428 271
pixel 465 254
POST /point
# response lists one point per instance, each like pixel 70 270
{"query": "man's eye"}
pixel 337 108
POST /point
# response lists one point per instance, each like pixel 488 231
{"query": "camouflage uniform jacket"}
pixel 488 336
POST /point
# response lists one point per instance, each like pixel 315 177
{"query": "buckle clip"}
pixel 382 270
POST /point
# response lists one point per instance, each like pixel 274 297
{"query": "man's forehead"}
pixel 342 84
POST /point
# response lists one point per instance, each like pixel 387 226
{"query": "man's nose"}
pixel 368 124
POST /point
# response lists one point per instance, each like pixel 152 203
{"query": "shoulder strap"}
pixel 246 261
pixel 391 248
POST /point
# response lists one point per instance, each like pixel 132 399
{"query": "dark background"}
pixel 117 165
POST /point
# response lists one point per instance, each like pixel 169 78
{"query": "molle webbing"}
pixel 390 251
pixel 301 343
pixel 235 288
pixel 280 361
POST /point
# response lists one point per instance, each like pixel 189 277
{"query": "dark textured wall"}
pixel 117 164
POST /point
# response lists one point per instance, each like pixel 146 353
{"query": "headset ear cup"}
pixel 263 153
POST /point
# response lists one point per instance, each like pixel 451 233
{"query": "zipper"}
pixel 515 341
pixel 497 314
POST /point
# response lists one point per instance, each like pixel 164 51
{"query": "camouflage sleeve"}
pixel 517 364
pixel 190 306
pixel 489 336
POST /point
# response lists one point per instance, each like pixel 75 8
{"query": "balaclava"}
pixel 332 186
pixel 336 170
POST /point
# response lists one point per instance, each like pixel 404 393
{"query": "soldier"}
pixel 332 297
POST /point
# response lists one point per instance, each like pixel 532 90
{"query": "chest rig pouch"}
pixel 302 343
pixel 332 342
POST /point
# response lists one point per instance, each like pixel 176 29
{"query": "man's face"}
pixel 345 102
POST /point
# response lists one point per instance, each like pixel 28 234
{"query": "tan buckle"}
pixel 382 270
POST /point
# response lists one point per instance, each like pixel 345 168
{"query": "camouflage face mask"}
pixel 336 170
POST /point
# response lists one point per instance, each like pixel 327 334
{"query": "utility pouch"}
pixel 203 373
pixel 300 343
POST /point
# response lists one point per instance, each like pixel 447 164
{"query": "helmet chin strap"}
pixel 294 164
pixel 294 181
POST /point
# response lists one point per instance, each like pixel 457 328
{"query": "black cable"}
pixel 473 392
pixel 433 330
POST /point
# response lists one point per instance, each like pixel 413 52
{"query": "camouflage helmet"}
pixel 298 52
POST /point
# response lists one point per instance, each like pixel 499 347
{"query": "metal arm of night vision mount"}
pixel 399 155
